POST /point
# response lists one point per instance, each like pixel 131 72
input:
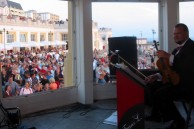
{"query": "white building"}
pixel 10 8
pixel 46 16
pixel 21 28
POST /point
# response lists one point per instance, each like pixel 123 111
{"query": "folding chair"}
pixel 11 117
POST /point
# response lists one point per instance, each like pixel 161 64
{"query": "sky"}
pixel 53 6
pixel 125 19
pixel 131 19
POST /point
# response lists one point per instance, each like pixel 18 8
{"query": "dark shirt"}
pixel 44 81
pixel 183 64
pixel 34 81
pixel 7 94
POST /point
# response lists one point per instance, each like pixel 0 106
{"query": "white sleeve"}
pixel 159 77
pixel 171 59
pixel 22 91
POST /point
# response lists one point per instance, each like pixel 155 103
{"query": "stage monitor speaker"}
pixel 127 49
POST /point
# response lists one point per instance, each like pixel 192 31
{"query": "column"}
pixel 82 49
pixel 29 36
pixel 38 37
pixel 17 36
pixel 69 75
pixel 46 38
pixel 168 18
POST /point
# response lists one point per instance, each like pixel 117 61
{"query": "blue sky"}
pixel 131 19
pixel 137 19
pixel 53 6
pixel 125 19
pixel 187 16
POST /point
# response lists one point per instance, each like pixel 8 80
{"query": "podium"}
pixel 130 100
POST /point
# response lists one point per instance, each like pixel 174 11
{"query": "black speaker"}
pixel 127 49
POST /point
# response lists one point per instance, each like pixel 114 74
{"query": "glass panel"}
pixel 115 19
pixel 186 16
pixel 33 43
pixel 22 38
pixel 42 37
pixel 33 37
pixel 10 38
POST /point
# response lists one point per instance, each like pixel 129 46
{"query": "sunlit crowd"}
pixel 146 57
pixel 31 71
pixel 103 71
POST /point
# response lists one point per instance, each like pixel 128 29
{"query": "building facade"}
pixel 19 28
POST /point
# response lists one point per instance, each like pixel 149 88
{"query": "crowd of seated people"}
pixel 28 72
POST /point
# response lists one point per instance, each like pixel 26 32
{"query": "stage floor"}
pixel 79 116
